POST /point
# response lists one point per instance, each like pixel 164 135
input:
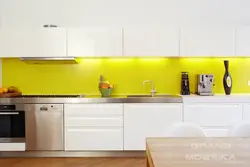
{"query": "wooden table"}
pixel 198 152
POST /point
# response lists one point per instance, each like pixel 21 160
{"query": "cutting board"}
pixel 9 95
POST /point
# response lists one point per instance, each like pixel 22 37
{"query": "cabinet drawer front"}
pixel 94 121
pixel 99 138
pixel 93 109
pixel 216 132
pixel 213 114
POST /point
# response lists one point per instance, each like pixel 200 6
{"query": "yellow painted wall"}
pixel 126 73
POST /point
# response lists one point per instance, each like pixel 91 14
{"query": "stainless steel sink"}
pixel 157 95
pixel 139 96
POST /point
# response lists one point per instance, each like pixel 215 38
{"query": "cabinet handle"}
pixel 49 25
pixel 9 113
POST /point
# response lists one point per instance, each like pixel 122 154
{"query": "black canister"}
pixel 185 84
pixel 227 79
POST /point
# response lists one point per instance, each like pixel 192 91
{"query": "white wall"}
pixel 124 12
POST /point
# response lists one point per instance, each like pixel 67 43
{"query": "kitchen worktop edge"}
pixel 217 98
pixel 17 100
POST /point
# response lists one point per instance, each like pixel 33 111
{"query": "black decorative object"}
pixel 227 79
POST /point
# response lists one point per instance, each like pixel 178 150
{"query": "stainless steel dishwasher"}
pixel 44 127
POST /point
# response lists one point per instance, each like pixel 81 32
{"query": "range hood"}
pixel 49 60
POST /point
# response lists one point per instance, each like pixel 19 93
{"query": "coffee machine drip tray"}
pixel 205 94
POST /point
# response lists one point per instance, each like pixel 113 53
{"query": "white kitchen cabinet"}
pixel 213 114
pixel 207 41
pixel 246 113
pixel 94 42
pixel 93 115
pixel 142 120
pixel 1 20
pixel 216 132
pixel 12 146
pixel 93 138
pixel 29 13
pixel 93 109
pixel 242 41
pixel 93 127
pixel 150 41
pixel 33 42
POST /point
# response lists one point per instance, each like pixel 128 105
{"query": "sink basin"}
pixel 157 95
pixel 139 96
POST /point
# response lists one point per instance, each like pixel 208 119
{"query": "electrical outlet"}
pixel 248 83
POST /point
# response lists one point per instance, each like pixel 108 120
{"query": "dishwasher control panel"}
pixel 49 107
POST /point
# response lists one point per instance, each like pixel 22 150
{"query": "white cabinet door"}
pixel 216 132
pixel 148 41
pixel 246 113
pixel 36 42
pixel 242 41
pixel 148 120
pixel 28 13
pixel 89 42
pixel 209 114
pixel 93 126
pixel 91 138
pixel 207 41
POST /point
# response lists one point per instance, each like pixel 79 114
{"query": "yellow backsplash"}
pixel 126 73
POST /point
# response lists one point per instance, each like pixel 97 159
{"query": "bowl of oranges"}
pixel 105 88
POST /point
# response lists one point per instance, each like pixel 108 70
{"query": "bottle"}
pixel 227 79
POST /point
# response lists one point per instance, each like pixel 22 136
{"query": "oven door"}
pixel 12 128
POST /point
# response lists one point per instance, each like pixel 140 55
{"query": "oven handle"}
pixel 9 113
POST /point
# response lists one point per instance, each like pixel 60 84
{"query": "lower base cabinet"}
pixel 93 139
pixel 214 118
pixel 148 120
pixel 216 132
pixel 93 127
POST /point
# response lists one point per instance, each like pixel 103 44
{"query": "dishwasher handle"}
pixel 44 108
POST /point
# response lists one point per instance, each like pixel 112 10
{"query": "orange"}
pixel 1 90
pixel 5 90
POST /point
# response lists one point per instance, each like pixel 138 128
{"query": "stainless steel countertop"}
pixel 93 99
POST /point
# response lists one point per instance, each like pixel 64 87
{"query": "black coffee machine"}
pixel 185 84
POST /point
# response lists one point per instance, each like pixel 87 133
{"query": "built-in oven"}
pixel 12 127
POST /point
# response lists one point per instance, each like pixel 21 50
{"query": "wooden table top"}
pixel 198 152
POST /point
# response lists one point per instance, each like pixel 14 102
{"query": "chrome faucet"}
pixel 153 89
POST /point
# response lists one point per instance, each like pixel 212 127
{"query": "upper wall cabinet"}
pixel 94 42
pixel 36 42
pixel 242 41
pixel 207 41
pixel 151 41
